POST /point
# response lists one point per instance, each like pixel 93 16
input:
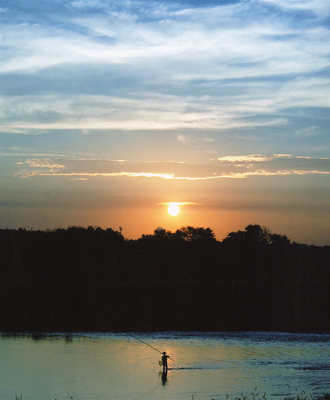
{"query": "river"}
pixel 206 366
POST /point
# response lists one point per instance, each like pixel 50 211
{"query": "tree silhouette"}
pixel 190 234
pixel 95 279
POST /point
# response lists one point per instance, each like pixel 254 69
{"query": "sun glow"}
pixel 173 209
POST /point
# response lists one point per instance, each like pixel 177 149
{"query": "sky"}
pixel 111 109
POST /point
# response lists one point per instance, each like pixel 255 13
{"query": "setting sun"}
pixel 173 209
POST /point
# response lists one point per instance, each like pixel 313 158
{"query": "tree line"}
pixel 93 279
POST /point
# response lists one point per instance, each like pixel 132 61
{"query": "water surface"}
pixel 207 365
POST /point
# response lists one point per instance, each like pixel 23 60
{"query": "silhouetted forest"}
pixel 90 279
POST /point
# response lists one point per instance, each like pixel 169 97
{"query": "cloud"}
pixel 45 163
pixel 309 131
pixel 145 66
pixel 318 7
pixel 251 158
pixel 33 114
pixel 210 43
pixel 195 141
pixel 179 203
pixel 141 33
pixel 235 167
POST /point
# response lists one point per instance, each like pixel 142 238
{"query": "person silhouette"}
pixel 164 360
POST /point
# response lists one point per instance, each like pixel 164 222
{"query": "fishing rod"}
pixel 146 344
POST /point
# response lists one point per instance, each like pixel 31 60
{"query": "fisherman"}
pixel 164 360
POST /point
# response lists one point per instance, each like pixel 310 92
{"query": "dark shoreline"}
pixel 94 280
pixel 46 334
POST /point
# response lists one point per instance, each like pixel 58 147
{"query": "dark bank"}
pixel 90 279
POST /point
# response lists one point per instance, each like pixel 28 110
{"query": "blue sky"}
pixel 111 108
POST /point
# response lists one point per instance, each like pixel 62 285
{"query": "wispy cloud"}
pixel 318 7
pixel 33 114
pixel 251 158
pixel 310 131
pixel 48 164
pixel 235 167
pixel 142 32
pixel 161 65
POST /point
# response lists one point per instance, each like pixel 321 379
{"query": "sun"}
pixel 173 209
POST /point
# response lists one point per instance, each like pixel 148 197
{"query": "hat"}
pixel 164 352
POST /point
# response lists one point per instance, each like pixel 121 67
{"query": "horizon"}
pixel 112 110
pixel 159 228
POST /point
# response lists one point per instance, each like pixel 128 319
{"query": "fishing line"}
pixel 146 344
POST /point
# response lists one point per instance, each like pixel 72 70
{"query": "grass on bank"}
pixel 298 396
